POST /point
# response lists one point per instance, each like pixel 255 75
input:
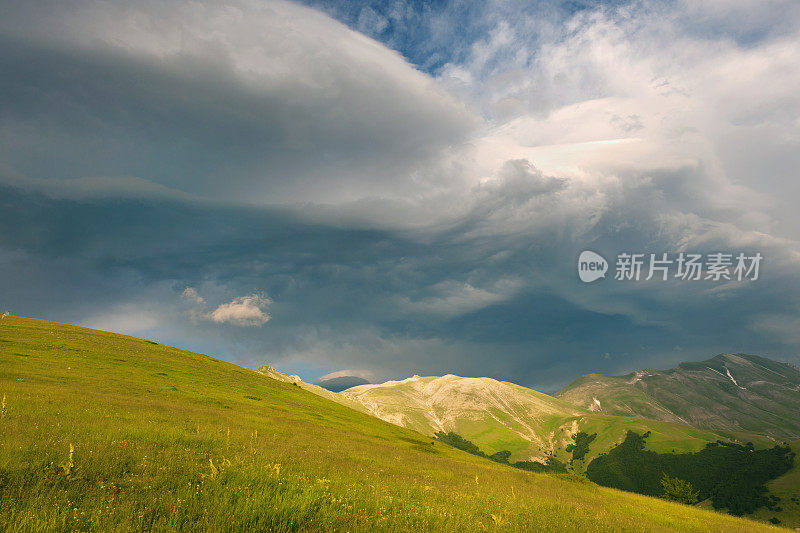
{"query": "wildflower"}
pixel 69 466
pixel 497 519
pixel 3 407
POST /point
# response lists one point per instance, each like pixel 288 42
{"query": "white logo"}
pixel 591 266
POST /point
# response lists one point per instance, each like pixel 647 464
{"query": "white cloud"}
pixel 629 91
pixel 243 311
pixel 192 295
pixel 366 374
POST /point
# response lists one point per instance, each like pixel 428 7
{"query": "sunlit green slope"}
pixel 729 392
pixel 310 387
pixel 498 415
pixel 111 433
pixel 787 488
pixel 495 415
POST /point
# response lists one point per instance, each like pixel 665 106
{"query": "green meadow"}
pixel 103 432
pixel 664 437
pixel 787 488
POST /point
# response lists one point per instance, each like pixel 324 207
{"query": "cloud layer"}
pixel 415 213
pixel 252 101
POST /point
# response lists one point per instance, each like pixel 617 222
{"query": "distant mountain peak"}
pixel 340 383
pixel 482 408
pixel 730 392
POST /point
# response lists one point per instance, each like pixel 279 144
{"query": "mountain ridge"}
pixel 465 405
pixel 730 392
pixel 503 416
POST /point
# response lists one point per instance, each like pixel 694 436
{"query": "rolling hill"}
pixel 104 432
pixel 729 392
pixel 496 415
pixel 499 416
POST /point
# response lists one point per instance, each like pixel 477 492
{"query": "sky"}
pixel 381 189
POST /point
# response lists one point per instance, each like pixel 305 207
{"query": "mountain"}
pixel 105 432
pixel 340 383
pixel 729 392
pixel 498 416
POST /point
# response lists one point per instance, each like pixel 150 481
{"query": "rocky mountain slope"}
pixel 729 392
pixel 499 416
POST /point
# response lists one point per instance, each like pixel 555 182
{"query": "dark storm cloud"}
pixel 374 299
pixel 230 117
pixel 261 183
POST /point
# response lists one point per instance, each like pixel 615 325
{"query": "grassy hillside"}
pixel 616 395
pixel 664 436
pixel 500 416
pixel 495 415
pixel 310 387
pixel 787 488
pixel 106 432
pixel 729 392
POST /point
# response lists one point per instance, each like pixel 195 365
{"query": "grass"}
pixel 105 432
pixel 503 416
pixel 701 394
pixel 787 488
pixel 664 436
pixel 473 407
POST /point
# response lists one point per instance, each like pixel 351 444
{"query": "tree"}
pixel 678 490
pixel 580 448
pixel 501 457
pixel 457 441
